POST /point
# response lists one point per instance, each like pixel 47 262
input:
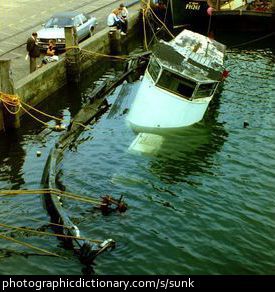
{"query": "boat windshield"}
pixel 205 90
pixel 176 84
pixel 154 69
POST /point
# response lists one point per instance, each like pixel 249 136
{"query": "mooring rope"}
pixel 56 192
pixel 30 230
pixel 14 101
pixel 253 41
pixel 49 223
pixel 120 58
pixel 30 246
pixel 146 12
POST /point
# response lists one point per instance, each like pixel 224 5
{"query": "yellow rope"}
pixel 146 11
pixel 122 58
pixel 53 191
pixel 10 99
pixel 30 246
pixel 37 110
pixel 98 54
pixel 12 113
pixel 48 233
pixel 144 30
pixel 15 101
pixel 162 23
pixel 35 118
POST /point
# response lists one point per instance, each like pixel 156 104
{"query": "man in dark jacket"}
pixel 33 50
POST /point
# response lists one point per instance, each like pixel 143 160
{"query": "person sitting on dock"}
pixel 123 16
pixel 114 21
pixel 51 55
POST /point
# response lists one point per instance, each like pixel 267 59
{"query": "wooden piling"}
pixel 218 5
pixel 115 42
pixel 9 121
pixel 72 55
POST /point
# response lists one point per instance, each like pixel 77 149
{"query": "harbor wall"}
pixel 36 87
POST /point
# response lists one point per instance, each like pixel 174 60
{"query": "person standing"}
pixel 33 51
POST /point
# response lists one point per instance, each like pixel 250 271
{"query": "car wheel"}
pixel 92 30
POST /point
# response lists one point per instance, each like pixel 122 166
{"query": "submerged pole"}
pixel 9 121
pixel 72 55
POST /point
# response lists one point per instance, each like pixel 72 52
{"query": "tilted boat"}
pixel 179 82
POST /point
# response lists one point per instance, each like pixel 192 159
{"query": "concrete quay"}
pixel 35 87
pixel 18 20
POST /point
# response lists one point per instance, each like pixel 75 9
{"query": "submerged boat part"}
pixel 86 250
pixel 179 83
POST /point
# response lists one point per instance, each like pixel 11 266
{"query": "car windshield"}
pixel 59 22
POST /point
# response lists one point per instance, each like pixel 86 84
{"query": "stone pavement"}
pixel 19 18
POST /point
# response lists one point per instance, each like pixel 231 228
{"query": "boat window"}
pixel 154 69
pixel 205 90
pixel 176 84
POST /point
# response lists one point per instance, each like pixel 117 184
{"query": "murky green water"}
pixel 202 203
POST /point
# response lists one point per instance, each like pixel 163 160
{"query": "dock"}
pixel 35 87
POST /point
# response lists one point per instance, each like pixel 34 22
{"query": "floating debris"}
pixel 110 204
pixel 245 124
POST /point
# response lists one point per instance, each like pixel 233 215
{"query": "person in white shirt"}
pixel 124 16
pixel 124 11
pixel 115 20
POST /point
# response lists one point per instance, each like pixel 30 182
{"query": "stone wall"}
pixel 37 86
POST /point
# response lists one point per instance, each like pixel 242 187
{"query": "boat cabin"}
pixel 181 79
pixel 178 84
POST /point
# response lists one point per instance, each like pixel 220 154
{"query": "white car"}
pixel 54 28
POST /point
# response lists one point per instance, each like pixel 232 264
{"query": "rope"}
pixel 146 12
pixel 121 58
pixel 10 100
pixel 48 223
pixel 253 41
pixel 52 191
pixel 48 233
pixel 144 30
pixel 149 8
pixel 30 246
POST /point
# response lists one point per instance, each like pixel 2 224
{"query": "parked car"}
pixel 54 28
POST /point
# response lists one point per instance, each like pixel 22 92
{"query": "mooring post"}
pixel 9 120
pixel 218 5
pixel 115 41
pixel 72 55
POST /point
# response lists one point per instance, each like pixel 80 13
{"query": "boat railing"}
pixel 256 5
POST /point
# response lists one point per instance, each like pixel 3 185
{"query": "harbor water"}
pixel 201 202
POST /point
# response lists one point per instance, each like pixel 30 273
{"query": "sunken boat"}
pixel 180 80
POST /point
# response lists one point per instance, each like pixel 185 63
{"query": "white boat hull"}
pixel 155 108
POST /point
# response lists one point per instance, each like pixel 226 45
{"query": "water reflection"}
pixel 188 152
pixel 12 157
pixel 183 152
